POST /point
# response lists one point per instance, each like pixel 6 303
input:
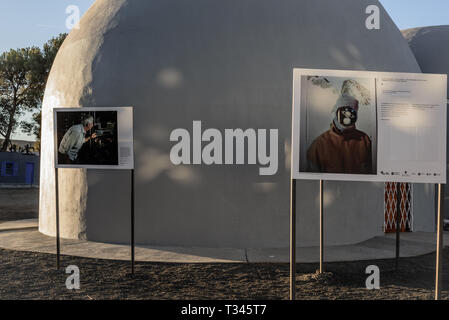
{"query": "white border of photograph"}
pixel 439 94
pixel 125 137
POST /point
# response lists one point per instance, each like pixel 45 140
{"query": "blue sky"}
pixel 417 13
pixel 25 23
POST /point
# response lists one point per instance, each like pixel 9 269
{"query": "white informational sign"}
pixel 369 126
pixel 94 138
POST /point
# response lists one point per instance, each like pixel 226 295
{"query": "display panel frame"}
pixel 120 138
pixel 427 91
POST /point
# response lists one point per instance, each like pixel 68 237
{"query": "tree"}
pixel 34 128
pixel 17 90
pixel 41 72
pixel 23 76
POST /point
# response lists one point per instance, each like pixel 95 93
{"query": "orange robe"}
pixel 341 152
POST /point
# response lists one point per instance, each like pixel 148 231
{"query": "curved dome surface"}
pixel 228 64
pixel 430 45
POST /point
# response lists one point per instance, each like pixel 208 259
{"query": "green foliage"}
pixel 34 127
pixel 23 76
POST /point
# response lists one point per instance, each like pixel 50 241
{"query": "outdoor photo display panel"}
pixel 94 138
pixel 369 126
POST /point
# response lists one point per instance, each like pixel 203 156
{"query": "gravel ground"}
pixel 17 204
pixel 26 275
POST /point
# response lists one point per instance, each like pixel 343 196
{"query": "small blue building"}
pixel 19 169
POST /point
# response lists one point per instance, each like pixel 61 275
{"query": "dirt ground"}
pixel 30 276
pixel 25 275
pixel 17 204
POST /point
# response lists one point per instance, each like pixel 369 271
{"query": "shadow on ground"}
pixel 26 275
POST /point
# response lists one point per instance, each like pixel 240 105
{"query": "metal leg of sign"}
pixel 321 229
pixel 292 239
pixel 439 262
pixel 58 241
pixel 132 223
pixel 398 222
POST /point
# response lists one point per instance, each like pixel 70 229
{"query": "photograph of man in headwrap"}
pixel 342 148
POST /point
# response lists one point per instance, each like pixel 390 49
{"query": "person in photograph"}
pixel 342 148
pixel 74 139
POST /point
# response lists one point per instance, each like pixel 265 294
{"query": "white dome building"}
pixel 228 64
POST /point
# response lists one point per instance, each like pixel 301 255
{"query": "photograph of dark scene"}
pixel 338 125
pixel 87 138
